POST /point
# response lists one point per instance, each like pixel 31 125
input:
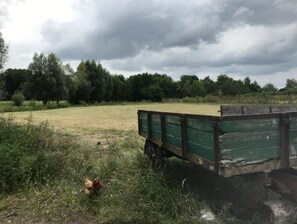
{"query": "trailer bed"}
pixel 231 144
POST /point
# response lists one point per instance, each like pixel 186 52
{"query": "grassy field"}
pixel 108 117
pixel 47 186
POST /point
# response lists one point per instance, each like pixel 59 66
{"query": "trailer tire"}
pixel 155 154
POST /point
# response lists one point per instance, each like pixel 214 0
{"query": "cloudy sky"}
pixel 206 37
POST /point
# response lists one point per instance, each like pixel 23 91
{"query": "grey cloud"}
pixel 129 27
pixel 134 35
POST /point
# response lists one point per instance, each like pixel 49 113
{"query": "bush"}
pixel 32 103
pixel 33 154
pixel 18 99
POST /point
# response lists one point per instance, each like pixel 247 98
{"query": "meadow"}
pixel 48 153
pixel 120 117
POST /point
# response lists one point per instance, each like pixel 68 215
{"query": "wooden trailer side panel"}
pixel 200 137
pixel 187 136
pixel 293 135
pixel 156 127
pixel 173 131
pixel 250 140
pixel 143 123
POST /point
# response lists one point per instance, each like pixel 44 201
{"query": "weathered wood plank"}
pixel 200 150
pixel 250 125
pixel 156 135
pixel 293 123
pixel 174 140
pixel 144 128
pixel 254 155
pixel 172 120
pixel 293 142
pixel 143 116
pixel 173 130
pixel 227 110
pixel 201 137
pixel 247 141
pixel 200 124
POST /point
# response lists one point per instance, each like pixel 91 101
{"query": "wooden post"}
pixel 139 122
pixel 184 135
pixel 149 125
pixel 216 135
pixel 163 130
pixel 284 152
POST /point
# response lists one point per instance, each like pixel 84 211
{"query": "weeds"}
pixel 44 172
pixel 16 106
pixel 31 154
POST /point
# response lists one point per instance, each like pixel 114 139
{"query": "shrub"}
pixel 18 99
pixel 32 103
pixel 33 154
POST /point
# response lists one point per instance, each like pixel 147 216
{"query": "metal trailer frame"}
pixel 283 162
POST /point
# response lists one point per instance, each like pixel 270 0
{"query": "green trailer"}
pixel 242 140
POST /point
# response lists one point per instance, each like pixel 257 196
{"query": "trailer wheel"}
pixel 155 154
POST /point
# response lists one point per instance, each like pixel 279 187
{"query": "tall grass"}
pixel 31 155
pixel 9 106
pixel 44 174
pixel 261 98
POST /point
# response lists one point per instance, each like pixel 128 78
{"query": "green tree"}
pixel 3 51
pixel 83 86
pixel 185 85
pixel 209 85
pixel 47 82
pixel 269 88
pixel 255 87
pixel 15 80
pixel 108 87
pixel 96 75
pixel 18 98
pixel 166 83
pixel 119 88
pixel 153 93
pixel 197 89
pixel 2 86
pixel 56 74
pixel 136 83
pixel 229 86
pixel 291 83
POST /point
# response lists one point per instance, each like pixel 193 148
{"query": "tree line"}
pixel 48 79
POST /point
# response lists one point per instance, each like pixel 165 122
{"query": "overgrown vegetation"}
pixel 11 106
pixel 32 155
pixel 42 174
pixel 18 99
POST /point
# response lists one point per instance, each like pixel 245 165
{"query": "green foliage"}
pixel 44 174
pixel 15 81
pixel 3 51
pixel 31 155
pixel 47 82
pixel 47 79
pixel 269 88
pixel 8 106
pixel 150 87
pixel 291 83
pixel 18 98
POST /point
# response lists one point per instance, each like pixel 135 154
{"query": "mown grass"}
pixel 107 117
